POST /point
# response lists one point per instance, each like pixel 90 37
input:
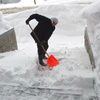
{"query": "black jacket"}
pixel 44 28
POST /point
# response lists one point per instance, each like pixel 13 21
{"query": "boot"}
pixel 41 60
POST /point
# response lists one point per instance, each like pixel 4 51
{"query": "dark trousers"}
pixel 40 49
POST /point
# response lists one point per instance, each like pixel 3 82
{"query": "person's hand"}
pixel 42 42
pixel 27 21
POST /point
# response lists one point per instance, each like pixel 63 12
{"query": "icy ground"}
pixel 75 79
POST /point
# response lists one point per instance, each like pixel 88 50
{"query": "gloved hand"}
pixel 27 21
pixel 42 42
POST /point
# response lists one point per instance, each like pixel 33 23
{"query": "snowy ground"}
pixel 74 73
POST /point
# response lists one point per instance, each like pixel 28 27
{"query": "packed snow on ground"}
pixel 66 44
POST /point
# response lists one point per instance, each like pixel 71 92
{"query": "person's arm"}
pixel 38 17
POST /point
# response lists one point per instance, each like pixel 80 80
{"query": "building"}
pixel 9 1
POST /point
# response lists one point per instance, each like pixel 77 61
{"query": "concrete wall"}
pixel 89 49
pixel 0 1
pixel 8 41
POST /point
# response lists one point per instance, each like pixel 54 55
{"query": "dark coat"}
pixel 44 28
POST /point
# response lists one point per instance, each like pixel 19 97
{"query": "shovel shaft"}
pixel 38 40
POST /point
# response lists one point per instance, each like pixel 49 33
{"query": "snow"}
pixel 4 26
pixel 30 3
pixel 92 15
pixel 67 44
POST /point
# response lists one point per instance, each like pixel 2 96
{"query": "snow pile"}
pixel 68 1
pixel 92 15
pixel 4 26
pixel 68 24
pixel 30 3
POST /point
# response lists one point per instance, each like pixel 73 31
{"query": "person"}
pixel 43 31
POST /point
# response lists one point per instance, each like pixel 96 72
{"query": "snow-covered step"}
pixel 19 92
pixel 39 93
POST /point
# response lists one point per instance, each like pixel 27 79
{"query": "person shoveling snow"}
pixel 43 30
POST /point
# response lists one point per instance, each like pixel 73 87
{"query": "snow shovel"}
pixel 52 61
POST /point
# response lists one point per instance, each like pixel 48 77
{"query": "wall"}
pixel 89 48
pixel 8 41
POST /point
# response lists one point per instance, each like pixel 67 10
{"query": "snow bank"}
pixel 68 24
pixel 30 3
pixel 4 26
pixel 68 1
pixel 92 14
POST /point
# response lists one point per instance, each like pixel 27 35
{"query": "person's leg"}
pixel 39 49
pixel 46 47
pixel 40 54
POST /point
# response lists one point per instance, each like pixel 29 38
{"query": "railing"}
pixel 89 48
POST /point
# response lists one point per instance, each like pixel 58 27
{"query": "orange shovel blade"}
pixel 52 61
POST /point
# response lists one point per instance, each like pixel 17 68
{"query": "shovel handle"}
pixel 38 40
